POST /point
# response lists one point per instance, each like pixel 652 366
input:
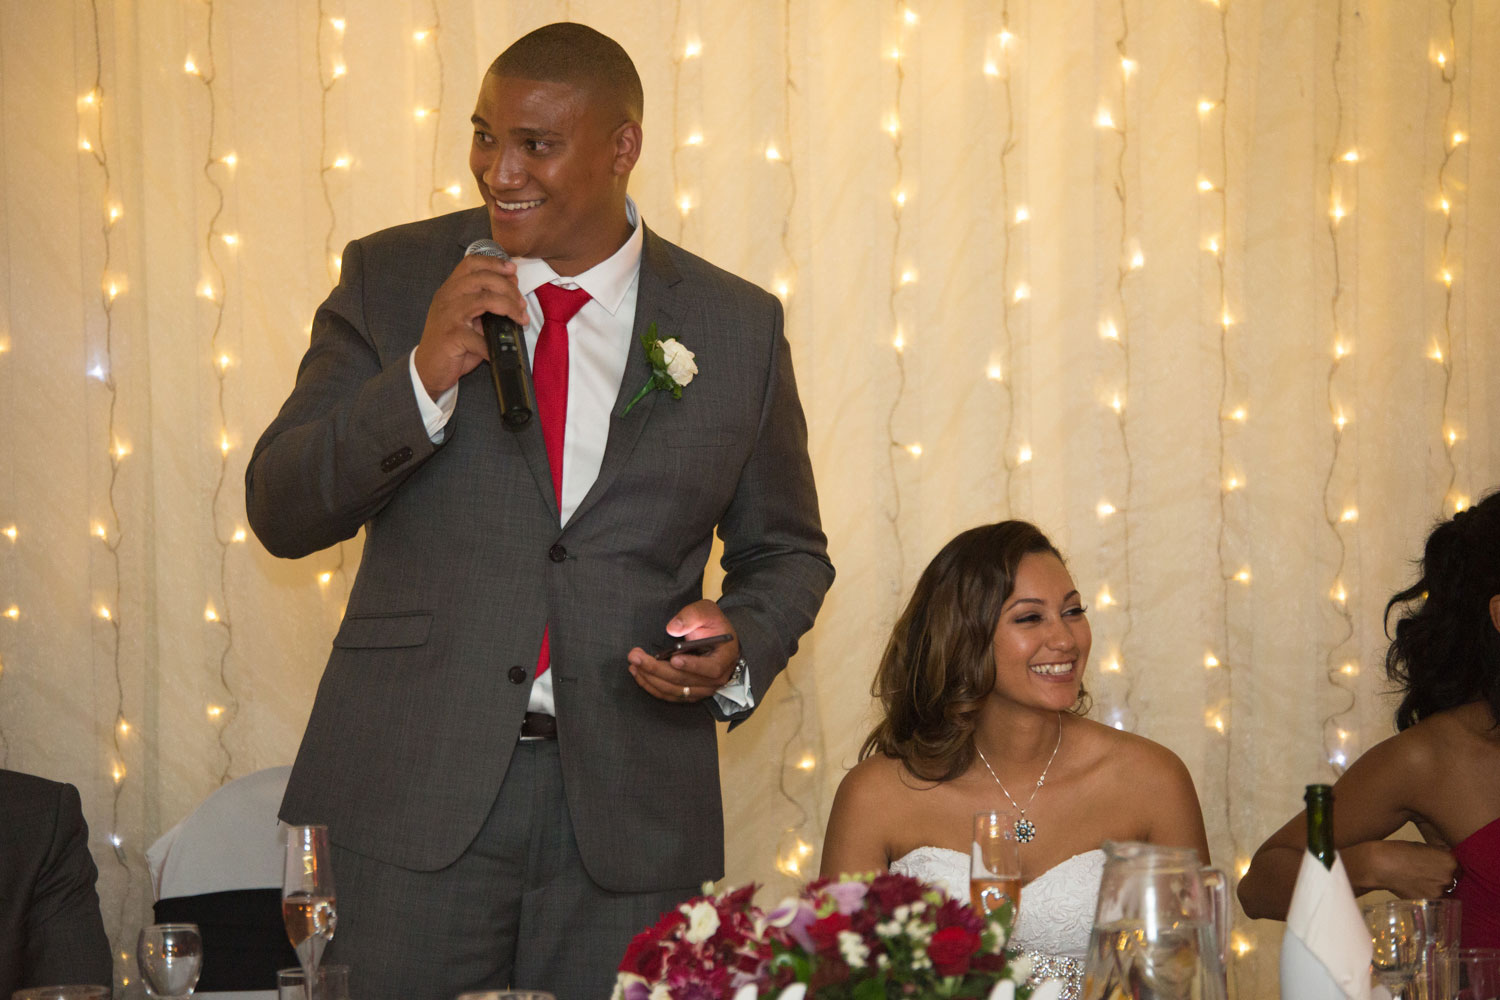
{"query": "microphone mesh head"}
pixel 487 248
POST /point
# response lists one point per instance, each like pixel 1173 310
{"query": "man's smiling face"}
pixel 552 166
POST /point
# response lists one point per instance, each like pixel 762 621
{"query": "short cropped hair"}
pixel 577 55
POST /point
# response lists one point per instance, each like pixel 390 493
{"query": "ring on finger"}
pixel 685 692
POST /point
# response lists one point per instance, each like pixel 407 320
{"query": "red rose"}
pixel 644 957
pixel 951 949
pixel 825 931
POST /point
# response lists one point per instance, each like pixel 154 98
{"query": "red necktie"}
pixel 549 380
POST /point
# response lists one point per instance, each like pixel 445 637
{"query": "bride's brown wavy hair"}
pixel 939 664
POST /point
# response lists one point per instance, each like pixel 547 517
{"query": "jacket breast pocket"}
pixel 392 631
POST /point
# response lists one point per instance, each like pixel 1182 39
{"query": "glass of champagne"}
pixel 307 897
pixel 170 957
pixel 994 864
pixel 1398 930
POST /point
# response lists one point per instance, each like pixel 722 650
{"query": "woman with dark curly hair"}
pixel 981 686
pixel 1441 770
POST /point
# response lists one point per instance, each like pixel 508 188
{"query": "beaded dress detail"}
pixel 1057 908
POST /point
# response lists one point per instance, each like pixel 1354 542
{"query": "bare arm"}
pixel 1371 801
pixel 856 839
pixel 1176 817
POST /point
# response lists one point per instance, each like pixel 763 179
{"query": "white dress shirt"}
pixel 600 338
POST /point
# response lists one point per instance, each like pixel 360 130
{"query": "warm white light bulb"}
pixel 1023 213
pixel 1108 330
pixel 908 276
pixel 1022 292
pixel 238 536
pixel 692 49
pixel 10 532
pixel 339 69
pixel 188 66
pixel 1350 515
pixel 900 197
pixel 772 153
pixel 1104 119
pixel 1024 455
pixel 1127 66
pixel 684 204
pixel 909 15
pixel 419 36
pixel 695 139
pixel 1238 414
pixel 1205 106
pixel 1352 156
pixel 993 373
pixel 453 190
pixel 1105 598
pixel 1105 509
pixel 1210 661
pixel 1243 576
pixel 230 239
pixel 229 159
pixel 342 163
pixel 914 449
pixel 209 614
pixel 990 69
pixel 1204 184
pixel 338 23
pixel 325 578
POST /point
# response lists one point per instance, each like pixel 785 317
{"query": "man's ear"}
pixel 1495 612
pixel 627 141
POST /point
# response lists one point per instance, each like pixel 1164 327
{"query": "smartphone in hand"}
pixel 691 647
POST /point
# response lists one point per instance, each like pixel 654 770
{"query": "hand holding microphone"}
pixel 482 287
pixel 502 336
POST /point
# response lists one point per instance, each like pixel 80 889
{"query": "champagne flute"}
pixel 307 897
pixel 170 957
pixel 1398 931
pixel 994 864
pixel 1474 973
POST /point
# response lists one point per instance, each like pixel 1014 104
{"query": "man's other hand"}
pixel 686 678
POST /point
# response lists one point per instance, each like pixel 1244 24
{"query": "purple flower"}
pixel 848 896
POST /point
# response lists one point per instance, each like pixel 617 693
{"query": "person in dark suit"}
pixel 514 784
pixel 50 929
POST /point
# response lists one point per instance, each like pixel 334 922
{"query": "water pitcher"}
pixel 1160 927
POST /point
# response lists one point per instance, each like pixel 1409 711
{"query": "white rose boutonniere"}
pixel 672 366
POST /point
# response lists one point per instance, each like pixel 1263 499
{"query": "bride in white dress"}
pixel 981 687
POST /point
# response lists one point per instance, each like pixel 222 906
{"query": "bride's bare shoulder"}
pixel 1115 750
pixel 879 777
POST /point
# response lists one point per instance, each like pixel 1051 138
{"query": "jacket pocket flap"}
pixel 384 631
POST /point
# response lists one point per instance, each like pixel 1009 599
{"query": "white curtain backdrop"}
pixel 1197 285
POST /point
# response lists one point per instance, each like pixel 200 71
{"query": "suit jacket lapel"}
pixel 529 438
pixel 657 301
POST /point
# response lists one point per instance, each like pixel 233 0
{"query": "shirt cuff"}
pixel 435 413
pixel 736 697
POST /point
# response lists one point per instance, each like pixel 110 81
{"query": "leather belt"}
pixel 536 726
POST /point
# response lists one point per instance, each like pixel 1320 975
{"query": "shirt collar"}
pixel 606 282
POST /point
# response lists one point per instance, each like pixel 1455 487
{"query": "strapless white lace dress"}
pixel 1057 908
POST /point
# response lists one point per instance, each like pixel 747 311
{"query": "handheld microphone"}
pixel 503 338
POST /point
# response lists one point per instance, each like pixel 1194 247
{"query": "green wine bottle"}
pixel 1319 799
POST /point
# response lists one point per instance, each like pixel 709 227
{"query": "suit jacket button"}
pixel 395 460
pixel 557 553
pixel 517 675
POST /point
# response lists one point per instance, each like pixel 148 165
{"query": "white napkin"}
pixel 1326 952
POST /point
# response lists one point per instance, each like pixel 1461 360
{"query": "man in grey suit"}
pixel 514 784
pixel 50 929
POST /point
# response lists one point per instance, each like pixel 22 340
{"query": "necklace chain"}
pixel 1025 828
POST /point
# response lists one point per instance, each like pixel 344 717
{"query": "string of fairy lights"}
pixel 794 847
pixel 430 37
pixel 1113 121
pixel 217 612
pixel 1000 64
pixel 1341 167
pixel 331 70
pixel 690 50
pixel 906 21
pixel 1454 139
pixel 110 532
pixel 1220 659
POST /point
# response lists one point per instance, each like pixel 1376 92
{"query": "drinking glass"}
pixel 170 957
pixel 1442 919
pixel 994 864
pixel 1474 973
pixel 1399 933
pixel 330 982
pixel 72 992
pixel 307 897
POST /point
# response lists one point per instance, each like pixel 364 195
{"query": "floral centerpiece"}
pixel 873 937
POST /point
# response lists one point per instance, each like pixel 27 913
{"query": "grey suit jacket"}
pixel 50 929
pixel 464 562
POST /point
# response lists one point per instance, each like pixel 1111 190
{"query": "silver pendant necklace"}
pixel 1025 828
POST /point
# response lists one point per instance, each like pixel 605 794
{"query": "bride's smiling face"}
pixel 1042 641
